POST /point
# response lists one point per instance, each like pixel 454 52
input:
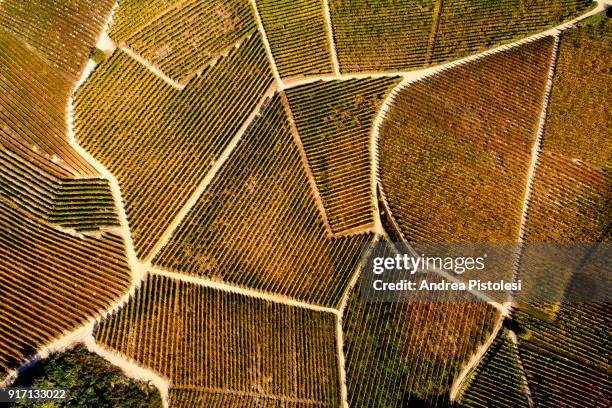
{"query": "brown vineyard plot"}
pixel 51 282
pixel 257 224
pixel 455 147
pixel 334 122
pixel 225 349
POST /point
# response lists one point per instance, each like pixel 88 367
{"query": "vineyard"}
pixel 81 204
pixel 469 26
pixel 566 358
pixel 257 224
pixel 297 36
pixel 280 355
pixel 185 39
pixel 460 142
pixel 579 116
pixel 565 346
pixel 334 121
pixel 188 188
pixel 60 32
pixel 68 280
pixel 158 141
pixel 497 381
pixel 32 107
pixel 411 34
pixel 412 349
pixel 400 30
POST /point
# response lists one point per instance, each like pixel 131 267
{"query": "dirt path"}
pixel 226 287
pixel 153 69
pixel 264 37
pixel 475 359
pixel 331 38
pixel 313 183
pixel 535 155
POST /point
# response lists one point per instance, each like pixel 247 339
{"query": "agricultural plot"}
pixel 51 282
pixel 469 26
pixel 334 121
pixel 382 35
pixel 224 349
pixel 297 35
pixel 186 38
pixel 455 147
pixel 566 358
pixel 570 201
pixel 408 354
pixel 53 195
pixel 33 101
pixel 257 224
pixel 160 142
pixel 60 32
pixel 579 116
pixel 498 379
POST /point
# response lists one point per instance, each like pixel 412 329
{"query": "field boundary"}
pixel 475 359
pixel 240 290
pixel 435 27
pixel 297 140
pixel 331 38
pixel 135 56
pixel 536 150
pixel 526 389
pixel 264 38
pixel 130 368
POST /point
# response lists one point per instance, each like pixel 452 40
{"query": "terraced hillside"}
pixel 334 121
pixel 257 224
pixel 278 354
pixel 158 141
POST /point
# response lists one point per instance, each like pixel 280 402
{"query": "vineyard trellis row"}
pixel 56 197
pixel 297 36
pixel 192 35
